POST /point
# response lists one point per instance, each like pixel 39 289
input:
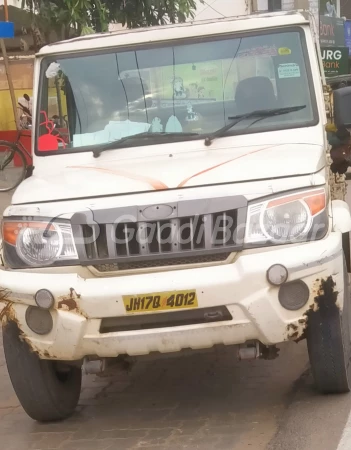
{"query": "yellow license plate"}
pixel 160 301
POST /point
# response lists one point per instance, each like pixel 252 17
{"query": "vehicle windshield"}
pixel 93 99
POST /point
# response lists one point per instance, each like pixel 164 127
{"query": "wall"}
pixel 16 3
pixel 116 27
pixel 312 5
pixel 345 8
pixel 288 5
pixel 22 76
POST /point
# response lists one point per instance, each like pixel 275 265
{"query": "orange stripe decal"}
pixel 159 185
pixel 182 184
pixel 156 184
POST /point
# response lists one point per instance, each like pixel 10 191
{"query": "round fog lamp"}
pixel 39 320
pixel 294 295
pixel 277 274
pixel 44 299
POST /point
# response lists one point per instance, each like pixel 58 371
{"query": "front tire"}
pixel 328 341
pixel 347 250
pixel 47 390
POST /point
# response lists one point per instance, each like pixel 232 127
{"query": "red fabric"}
pixel 49 141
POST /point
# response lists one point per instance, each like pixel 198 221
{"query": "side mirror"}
pixel 342 107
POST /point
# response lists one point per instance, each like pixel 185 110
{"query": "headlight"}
pixel 37 244
pixel 286 219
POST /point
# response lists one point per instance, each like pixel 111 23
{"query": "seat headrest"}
pixel 134 89
pixel 255 93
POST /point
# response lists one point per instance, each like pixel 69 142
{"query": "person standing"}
pixel 330 9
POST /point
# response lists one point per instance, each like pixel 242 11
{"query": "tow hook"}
pixel 94 366
pixel 256 350
pixel 249 351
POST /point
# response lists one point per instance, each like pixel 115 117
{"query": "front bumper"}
pixel 241 286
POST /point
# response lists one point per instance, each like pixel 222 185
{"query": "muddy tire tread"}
pixel 328 341
pixel 326 360
pixel 41 395
pixel 347 250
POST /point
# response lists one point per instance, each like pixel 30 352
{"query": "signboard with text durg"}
pixel 335 61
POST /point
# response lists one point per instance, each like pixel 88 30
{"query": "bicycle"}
pixel 14 167
pixel 14 157
pixel 13 164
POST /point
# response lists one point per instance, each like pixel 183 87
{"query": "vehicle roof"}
pixel 176 31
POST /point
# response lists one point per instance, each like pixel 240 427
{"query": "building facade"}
pixel 16 3
pixel 214 9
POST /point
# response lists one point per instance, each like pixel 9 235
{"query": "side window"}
pixel 53 126
pixel 274 5
pixel 57 104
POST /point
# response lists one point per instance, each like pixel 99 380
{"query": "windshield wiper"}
pixel 118 143
pixel 259 114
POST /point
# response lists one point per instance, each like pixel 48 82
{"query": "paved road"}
pixel 192 401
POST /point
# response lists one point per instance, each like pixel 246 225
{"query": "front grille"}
pixel 137 234
pixel 112 267
pixel 160 238
pixel 168 319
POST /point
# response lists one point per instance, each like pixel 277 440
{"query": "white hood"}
pixel 149 169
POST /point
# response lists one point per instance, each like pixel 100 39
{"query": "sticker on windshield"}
pixel 191 114
pixel 284 51
pixel 53 70
pixel 291 70
pixel 173 125
pixel 264 50
pixel 156 125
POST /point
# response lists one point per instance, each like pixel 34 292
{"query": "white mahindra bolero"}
pixel 181 198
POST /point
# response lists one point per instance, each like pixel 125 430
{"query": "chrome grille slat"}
pixel 175 235
pixel 224 219
pixel 208 230
pixel 192 236
pixel 158 226
pixel 126 238
pixel 142 234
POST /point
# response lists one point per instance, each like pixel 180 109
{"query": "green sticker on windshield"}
pixel 291 70
pixel 283 51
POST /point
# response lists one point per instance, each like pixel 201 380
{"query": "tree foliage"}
pixel 138 13
pixel 77 17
